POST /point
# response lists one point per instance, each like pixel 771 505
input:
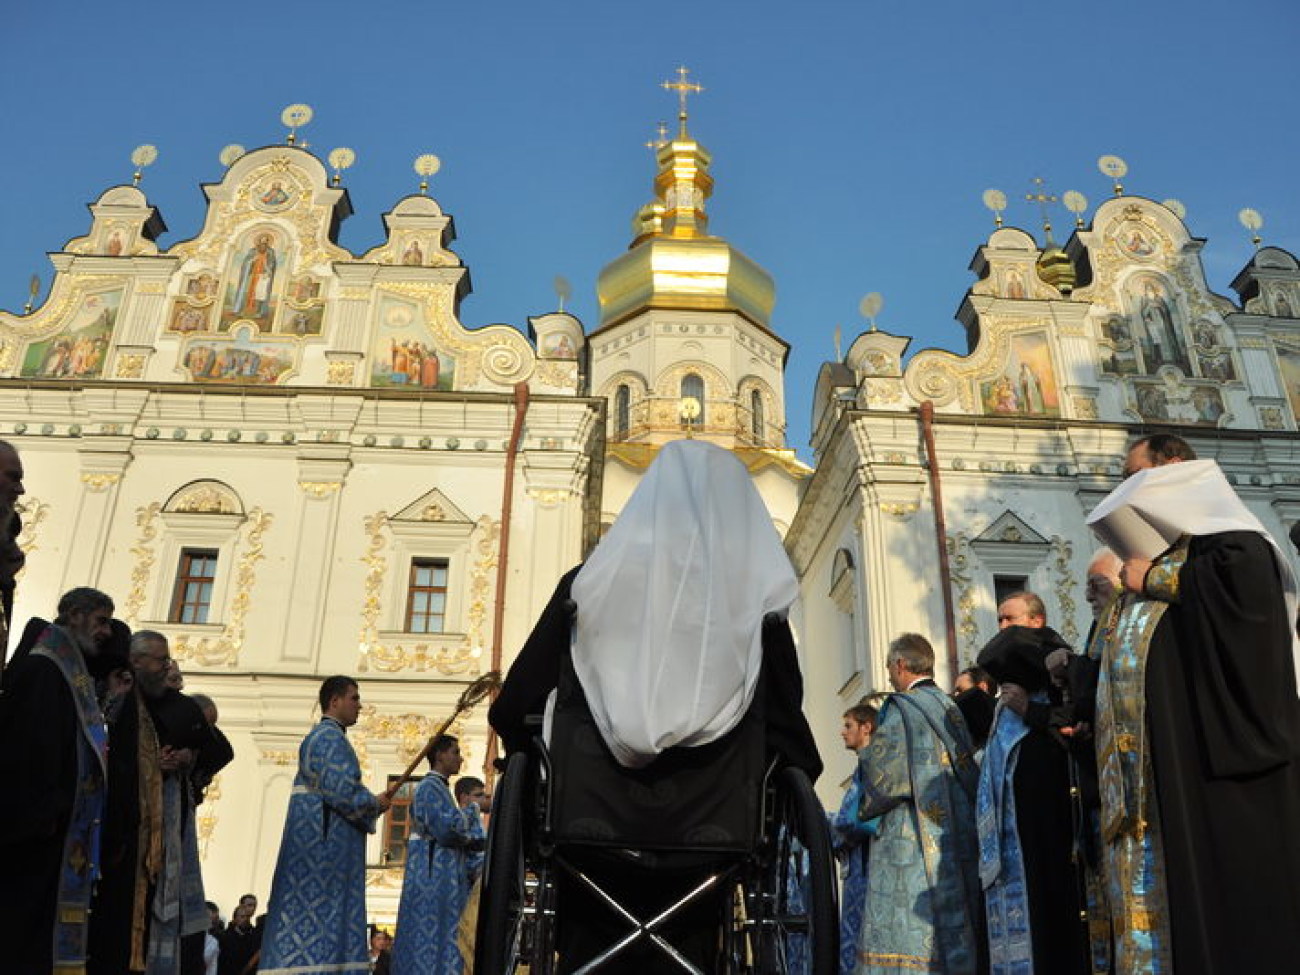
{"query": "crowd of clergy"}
pixel 1121 807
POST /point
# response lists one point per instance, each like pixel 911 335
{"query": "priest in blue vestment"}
pixel 316 919
pixel 918 775
pixel 437 880
pixel 852 837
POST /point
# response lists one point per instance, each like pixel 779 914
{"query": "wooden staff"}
pixel 471 696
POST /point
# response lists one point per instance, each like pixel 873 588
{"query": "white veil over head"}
pixel 667 641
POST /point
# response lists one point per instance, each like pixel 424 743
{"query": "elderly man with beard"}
pixel 53 762
pixel 187 750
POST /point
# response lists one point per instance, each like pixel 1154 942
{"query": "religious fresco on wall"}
pixel 259 261
pixel 403 354
pixel 413 252
pixel 1288 359
pixel 303 310
pixel 559 346
pixel 1172 401
pixel 78 350
pixel 1155 325
pixel 192 312
pixel 241 359
pixel 1282 306
pixel 1027 384
pixel 1118 357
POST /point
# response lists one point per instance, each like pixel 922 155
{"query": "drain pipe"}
pixel 940 534
pixel 503 560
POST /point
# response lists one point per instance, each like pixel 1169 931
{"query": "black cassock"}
pixel 1045 818
pixel 38 766
pixel 1224 722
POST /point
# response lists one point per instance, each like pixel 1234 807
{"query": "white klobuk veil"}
pixel 667 641
pixel 1155 507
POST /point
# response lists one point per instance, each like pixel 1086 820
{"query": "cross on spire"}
pixel 684 88
pixel 1042 198
pixel 661 138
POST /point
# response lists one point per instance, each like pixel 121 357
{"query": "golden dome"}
pixel 1056 268
pixel 673 262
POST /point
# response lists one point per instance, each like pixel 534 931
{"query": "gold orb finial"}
pixel 1175 207
pixel 425 166
pixel 295 116
pixel 1252 220
pixel 141 157
pixel 33 289
pixel 870 306
pixel 1116 168
pixel 996 201
pixel 341 158
pixel 1076 203
pixel 231 154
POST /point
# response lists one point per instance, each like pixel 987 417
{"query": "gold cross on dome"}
pixel 684 88
pixel 661 138
pixel 1042 198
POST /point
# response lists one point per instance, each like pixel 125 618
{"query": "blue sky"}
pixel 851 140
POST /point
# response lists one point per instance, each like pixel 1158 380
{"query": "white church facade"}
pixel 295 461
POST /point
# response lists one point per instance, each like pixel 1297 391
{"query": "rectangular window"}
pixel 426 600
pixel 1004 586
pixel 192 599
pixel 397 823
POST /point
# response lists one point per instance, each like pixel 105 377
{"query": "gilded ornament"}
pixel 433 512
pixel 549 497
pixel 130 366
pixel 279 756
pixel 206 821
pixel 1085 407
pixel 319 489
pixel 33 513
pixel 900 511
pixel 99 482
pixel 146 519
pixel 205 499
pixel 961 575
pixel 225 648
pixel 1061 552
pixel 376 563
pixel 342 373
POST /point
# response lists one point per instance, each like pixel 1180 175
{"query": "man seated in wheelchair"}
pixel 671 687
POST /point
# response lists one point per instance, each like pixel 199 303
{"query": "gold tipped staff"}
pixel 472 695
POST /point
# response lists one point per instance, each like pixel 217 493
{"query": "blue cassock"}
pixel 851 838
pixel 437 882
pixel 922 908
pixel 316 919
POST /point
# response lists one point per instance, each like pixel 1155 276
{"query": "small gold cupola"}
pixel 672 261
pixel 1054 265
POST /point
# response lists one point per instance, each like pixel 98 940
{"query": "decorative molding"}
pixel 549 497
pixel 341 373
pixel 1062 551
pixel 130 366
pixel 205 498
pixel 283 757
pixel 1085 407
pixel 146 519
pixel 225 649
pixel 33 513
pixel 900 511
pixel 376 563
pixel 961 573
pixel 482 577
pixel 206 821
pixel 100 482
pixel 319 489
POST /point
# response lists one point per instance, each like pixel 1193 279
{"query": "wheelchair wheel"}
pixel 796 911
pixel 504 928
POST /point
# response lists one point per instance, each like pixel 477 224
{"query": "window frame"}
pixel 416 563
pixel 183 580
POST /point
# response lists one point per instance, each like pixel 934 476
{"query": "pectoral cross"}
pixel 684 89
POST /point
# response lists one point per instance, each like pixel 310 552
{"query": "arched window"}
pixel 622 411
pixel 756 413
pixel 693 387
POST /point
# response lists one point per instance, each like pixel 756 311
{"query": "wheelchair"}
pixel 716 846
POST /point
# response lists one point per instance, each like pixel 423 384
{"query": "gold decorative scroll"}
pixel 1061 552
pixel 146 519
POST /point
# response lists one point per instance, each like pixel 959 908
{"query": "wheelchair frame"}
pixel 779 914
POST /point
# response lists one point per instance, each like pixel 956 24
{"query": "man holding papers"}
pixel 1198 725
